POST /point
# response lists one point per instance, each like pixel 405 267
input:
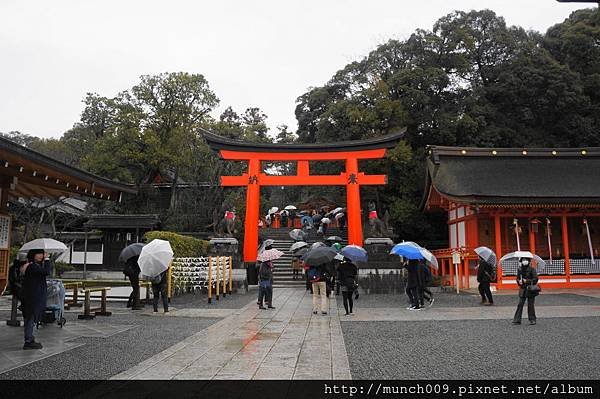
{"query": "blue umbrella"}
pixel 407 250
pixel 306 220
pixel 355 253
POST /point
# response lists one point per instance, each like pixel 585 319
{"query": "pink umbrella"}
pixel 269 254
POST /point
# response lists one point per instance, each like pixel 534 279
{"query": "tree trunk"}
pixel 173 204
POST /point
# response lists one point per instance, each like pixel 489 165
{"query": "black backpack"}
pixel 16 280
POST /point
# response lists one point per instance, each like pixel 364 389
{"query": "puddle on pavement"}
pixel 268 335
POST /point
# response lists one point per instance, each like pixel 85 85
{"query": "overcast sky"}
pixel 253 53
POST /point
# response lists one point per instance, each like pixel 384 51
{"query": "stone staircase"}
pixel 282 268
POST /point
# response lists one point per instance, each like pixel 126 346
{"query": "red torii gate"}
pixel 254 178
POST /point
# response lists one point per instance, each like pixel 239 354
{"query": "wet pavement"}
pixel 288 342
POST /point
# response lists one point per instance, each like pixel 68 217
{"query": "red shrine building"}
pixel 546 201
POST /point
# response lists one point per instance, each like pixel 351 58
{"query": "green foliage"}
pixel 183 246
pixel 61 267
pixel 469 81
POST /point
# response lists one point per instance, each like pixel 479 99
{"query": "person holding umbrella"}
pixel 154 261
pixel 485 275
pixel 412 284
pixel 526 278
pixel 265 274
pixel 346 279
pixel 129 255
pixel 318 258
pixel 33 303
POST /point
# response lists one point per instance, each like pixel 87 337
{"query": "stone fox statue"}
pixel 379 228
pixel 223 226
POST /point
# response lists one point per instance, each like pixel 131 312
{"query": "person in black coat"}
pixel 160 288
pixel 412 284
pixel 485 275
pixel 526 277
pixel 132 271
pixel 34 293
pixel 346 279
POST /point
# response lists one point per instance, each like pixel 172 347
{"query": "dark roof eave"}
pixel 46 161
pixel 217 143
pixel 503 201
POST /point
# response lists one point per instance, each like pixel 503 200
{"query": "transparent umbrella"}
pixel 487 255
pixel 297 235
pixel 524 254
pixel 298 245
pixel 47 244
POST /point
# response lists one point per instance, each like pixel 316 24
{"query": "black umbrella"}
pixel 300 253
pixel 319 256
pixel 317 218
pixel 130 251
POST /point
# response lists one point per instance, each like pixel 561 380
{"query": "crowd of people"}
pixel 318 219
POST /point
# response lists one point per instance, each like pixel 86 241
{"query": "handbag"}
pixel 533 290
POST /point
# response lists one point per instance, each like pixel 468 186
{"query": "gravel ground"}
pixel 559 348
pixel 462 300
pixel 101 358
pixel 236 300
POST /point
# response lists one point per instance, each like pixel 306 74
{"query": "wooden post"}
pixel 217 277
pixel 169 282
pixel 451 267
pixel 86 306
pixel 565 238
pixel 225 274
pixel 498 237
pixel 13 322
pixel 230 264
pixel 210 262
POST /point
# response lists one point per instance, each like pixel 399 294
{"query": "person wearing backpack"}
pixel 485 275
pixel 34 288
pixel 159 287
pixel 15 279
pixel 132 271
pixel 318 280
pixel 265 285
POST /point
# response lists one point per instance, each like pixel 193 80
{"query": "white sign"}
pixel 456 257
pixel 4 231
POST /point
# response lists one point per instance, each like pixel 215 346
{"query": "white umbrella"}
pixel 336 210
pixel 326 220
pixel 339 215
pixel 155 257
pixel 273 210
pixel 523 254
pixel 47 244
pixel 290 208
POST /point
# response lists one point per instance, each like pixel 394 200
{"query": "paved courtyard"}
pixel 455 338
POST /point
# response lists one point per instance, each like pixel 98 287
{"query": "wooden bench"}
pixel 88 311
pixel 74 301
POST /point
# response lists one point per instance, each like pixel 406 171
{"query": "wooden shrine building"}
pixel 546 201
pixel 25 173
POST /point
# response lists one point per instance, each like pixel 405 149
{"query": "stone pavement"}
pixel 288 342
